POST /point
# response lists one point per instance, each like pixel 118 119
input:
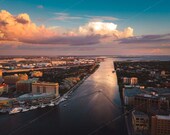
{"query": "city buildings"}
pixel 58 62
pixel 45 87
pixel 12 79
pixel 160 125
pixel 25 86
pixel 140 122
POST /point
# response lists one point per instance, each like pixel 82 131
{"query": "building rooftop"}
pixel 45 83
pixel 163 117
pixel 132 92
pixel 138 113
pixel 3 98
pixel 28 81
pixel 159 90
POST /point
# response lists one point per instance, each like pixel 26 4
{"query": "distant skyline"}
pixel 84 27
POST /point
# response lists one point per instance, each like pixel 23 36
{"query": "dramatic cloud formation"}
pixel 21 29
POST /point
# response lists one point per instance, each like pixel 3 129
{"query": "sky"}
pixel 84 27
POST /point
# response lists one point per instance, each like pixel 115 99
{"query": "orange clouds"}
pixel 20 29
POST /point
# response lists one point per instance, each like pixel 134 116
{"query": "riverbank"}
pixel 125 111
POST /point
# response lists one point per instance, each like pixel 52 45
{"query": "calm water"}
pixel 88 109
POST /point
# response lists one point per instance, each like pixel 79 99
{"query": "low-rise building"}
pixel 58 62
pixel 126 80
pixel 3 88
pixel 131 81
pixel 140 122
pixel 45 87
pixel 36 74
pixel 12 79
pixel 160 125
pixel 5 102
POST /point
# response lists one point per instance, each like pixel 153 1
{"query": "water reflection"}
pixel 99 100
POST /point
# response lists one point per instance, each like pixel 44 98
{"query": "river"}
pixel 94 108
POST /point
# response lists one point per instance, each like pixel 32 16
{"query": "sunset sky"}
pixel 84 27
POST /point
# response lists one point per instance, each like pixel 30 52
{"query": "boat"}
pixel 51 104
pixel 15 110
pixel 21 102
pixel 25 109
pixel 33 107
pixel 42 105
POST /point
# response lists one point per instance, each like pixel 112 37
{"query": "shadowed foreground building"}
pixel 160 125
pixel 145 102
pixel 140 122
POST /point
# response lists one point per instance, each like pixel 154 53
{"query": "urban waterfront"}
pixel 94 108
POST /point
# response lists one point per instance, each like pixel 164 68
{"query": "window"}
pixel 44 89
pixel 38 89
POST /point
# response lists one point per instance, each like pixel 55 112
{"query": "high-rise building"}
pixel 45 87
pixel 140 122
pixel 160 125
pixel 145 102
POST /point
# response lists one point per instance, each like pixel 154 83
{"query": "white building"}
pixel 45 87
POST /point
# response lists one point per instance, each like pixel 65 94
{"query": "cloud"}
pixel 65 17
pixel 101 18
pixel 40 6
pixel 164 38
pixel 62 16
pixel 20 29
pixel 104 28
pixel 66 40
